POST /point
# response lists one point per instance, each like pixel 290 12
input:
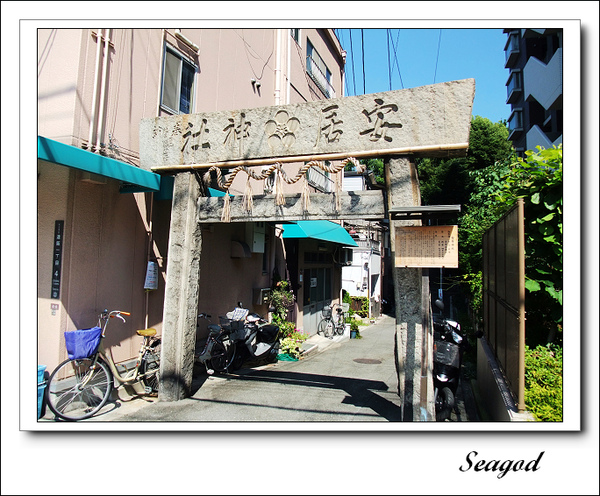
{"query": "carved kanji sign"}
pixel 431 119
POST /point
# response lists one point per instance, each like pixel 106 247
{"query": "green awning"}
pixel 135 179
pixel 323 230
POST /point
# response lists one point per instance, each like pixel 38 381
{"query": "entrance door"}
pixel 317 293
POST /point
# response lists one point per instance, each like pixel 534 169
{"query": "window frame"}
pixel 328 90
pixel 182 59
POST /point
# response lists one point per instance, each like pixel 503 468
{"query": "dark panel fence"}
pixel 504 297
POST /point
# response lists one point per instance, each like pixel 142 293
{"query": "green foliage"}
pixel 543 382
pixel 448 181
pixel 363 303
pixel 291 339
pixel 281 298
pixel 538 180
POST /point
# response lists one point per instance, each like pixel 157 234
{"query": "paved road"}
pixel 351 380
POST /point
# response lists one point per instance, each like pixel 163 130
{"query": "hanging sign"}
pixel 151 276
pixel 427 246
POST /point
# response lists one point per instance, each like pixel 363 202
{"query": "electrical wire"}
pixel 389 63
pixel 362 34
pixel 437 56
pixel 352 58
pixel 395 48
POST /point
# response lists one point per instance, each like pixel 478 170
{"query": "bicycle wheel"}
pixel 76 391
pixel 326 328
pixel 222 354
pixel 150 368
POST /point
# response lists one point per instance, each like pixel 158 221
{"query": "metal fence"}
pixel 504 297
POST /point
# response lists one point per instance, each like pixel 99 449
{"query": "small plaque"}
pixel 427 246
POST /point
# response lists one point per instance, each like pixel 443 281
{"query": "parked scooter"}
pixel 255 338
pixel 219 349
pixel 447 358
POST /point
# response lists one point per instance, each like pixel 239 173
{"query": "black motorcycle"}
pixel 256 340
pixel 448 346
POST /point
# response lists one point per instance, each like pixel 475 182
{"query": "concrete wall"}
pixel 103 260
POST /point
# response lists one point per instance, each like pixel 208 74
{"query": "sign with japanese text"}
pixel 432 116
pixel 59 227
pixel 427 246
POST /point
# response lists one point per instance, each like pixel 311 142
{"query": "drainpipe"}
pixel 90 143
pixel 103 89
pixel 278 67
pixel 289 67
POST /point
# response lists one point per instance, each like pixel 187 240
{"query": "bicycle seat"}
pixel 146 332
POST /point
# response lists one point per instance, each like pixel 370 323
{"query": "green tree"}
pixel 447 180
pixel 538 180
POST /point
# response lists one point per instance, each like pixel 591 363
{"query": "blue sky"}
pixel 463 53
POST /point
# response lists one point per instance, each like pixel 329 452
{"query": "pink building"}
pixel 102 219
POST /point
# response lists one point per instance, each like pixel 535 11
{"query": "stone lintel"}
pixel 367 205
pixel 427 120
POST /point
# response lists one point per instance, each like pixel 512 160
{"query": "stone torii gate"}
pixel 428 121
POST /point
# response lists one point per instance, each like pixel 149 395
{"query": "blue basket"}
pixel 82 343
pixel 41 387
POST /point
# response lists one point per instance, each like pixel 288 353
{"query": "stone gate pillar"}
pixel 414 338
pixel 181 291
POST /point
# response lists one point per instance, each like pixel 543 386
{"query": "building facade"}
pixel 103 221
pixel 534 87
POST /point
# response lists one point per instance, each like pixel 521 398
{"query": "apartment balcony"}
pixel 320 79
pixel 514 87
pixel 319 180
pixel 543 81
pixel 512 50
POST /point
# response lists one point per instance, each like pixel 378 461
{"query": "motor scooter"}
pixel 448 345
pixel 256 339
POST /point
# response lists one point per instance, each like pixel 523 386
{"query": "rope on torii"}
pixel 281 176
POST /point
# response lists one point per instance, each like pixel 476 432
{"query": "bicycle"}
pixel 219 350
pixel 81 385
pixel 332 322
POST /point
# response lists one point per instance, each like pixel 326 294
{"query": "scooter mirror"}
pixel 240 304
pixel 439 304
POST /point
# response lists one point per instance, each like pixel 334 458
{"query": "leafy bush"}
pixel 291 340
pixel 543 382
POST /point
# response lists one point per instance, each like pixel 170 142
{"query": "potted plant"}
pixel 354 332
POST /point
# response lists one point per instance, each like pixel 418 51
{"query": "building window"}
pixel 318 71
pixel 515 122
pixel 514 86
pixel 178 82
pixel 295 33
pixel 511 48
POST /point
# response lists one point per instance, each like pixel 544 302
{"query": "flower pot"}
pixel 352 334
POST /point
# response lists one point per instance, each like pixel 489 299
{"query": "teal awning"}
pixel 323 230
pixel 136 179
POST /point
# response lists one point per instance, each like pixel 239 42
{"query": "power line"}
pixel 389 64
pixel 352 58
pixel 394 47
pixel 362 34
pixel 438 56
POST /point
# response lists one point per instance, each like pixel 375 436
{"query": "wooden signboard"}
pixel 427 246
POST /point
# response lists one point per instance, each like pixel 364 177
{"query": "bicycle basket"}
pixel 82 343
pixel 326 312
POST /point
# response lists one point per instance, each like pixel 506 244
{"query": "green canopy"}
pixel 323 230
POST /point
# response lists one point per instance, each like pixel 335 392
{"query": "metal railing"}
pixel 320 79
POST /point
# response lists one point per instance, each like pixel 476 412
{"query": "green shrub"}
pixel 543 382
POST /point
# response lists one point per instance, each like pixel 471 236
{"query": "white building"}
pixel 364 276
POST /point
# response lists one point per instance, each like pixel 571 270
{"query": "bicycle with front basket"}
pixel 81 385
pixel 332 322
